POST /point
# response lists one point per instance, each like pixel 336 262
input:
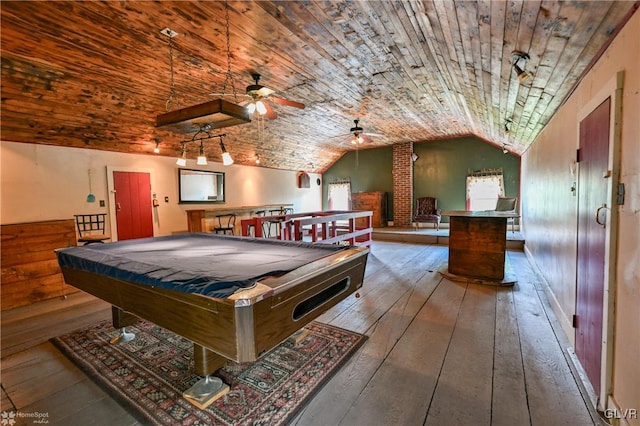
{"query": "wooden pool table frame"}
pixel 243 326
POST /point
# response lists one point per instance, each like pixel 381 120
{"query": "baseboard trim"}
pixel 564 321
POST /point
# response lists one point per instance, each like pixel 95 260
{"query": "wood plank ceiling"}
pixel 97 74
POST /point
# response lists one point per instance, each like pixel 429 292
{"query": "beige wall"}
pixel 549 212
pixel 41 182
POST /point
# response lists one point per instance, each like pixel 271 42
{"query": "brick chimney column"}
pixel 402 184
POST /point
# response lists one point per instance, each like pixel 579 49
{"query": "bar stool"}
pixel 226 223
pixel 259 213
pixel 277 221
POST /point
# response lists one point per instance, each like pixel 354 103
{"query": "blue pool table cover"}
pixel 207 264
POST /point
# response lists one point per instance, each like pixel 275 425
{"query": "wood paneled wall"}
pixel 30 271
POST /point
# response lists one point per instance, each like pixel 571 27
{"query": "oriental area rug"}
pixel 148 374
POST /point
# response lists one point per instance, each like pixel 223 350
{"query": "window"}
pixel 484 187
pixel 339 194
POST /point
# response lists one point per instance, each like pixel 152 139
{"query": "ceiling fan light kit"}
pixel 359 136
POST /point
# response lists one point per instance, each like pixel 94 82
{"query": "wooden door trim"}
pixel 611 89
pixel 112 195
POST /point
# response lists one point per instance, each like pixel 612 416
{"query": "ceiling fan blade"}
pixel 374 134
pixel 367 139
pixel 264 92
pixel 271 113
pixel 287 102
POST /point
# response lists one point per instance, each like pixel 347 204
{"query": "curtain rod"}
pixel 484 172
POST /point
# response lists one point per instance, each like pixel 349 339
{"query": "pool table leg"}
pixel 206 361
pixel 209 388
pixel 121 320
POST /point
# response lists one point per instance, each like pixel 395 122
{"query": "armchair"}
pixel 427 211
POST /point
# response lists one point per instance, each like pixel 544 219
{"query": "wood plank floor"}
pixel 438 353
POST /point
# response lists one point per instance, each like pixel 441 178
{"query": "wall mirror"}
pixel 200 186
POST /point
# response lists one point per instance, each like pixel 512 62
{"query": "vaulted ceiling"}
pixel 97 74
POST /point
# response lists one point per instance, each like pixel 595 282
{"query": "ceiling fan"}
pixel 259 94
pixel 359 136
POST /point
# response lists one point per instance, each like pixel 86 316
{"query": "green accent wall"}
pixel 368 170
pixel 442 166
pixel 440 171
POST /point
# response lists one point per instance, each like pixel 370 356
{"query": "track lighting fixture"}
pixel 516 57
pixel 202 159
pixel 182 161
pixel 226 157
pixel 507 125
pixel 201 136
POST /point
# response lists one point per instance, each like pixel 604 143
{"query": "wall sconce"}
pixel 201 136
pixel 257 158
pixel 156 150
pixel 518 56
pixel 504 148
pixel 414 157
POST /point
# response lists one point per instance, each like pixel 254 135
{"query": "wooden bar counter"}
pixel 196 218
pixel 477 244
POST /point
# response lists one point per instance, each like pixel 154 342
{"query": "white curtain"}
pixel 339 195
pixel 484 187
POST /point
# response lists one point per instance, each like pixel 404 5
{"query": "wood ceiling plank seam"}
pixel 529 17
pixel 468 18
pixel 48 98
pixel 546 19
pixel 498 14
pixel 555 49
pixel 512 20
pixel 67 115
pixel 81 70
pixel 585 36
pixel 380 32
pixel 306 35
pixel 436 33
pixel 254 17
pixel 451 63
pixel 71 90
pixel 457 12
pixel 484 39
pixel 71 39
pixel 438 85
pixel 401 106
pixel 428 66
pixel 15 98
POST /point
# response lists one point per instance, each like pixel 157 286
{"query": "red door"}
pixel 592 213
pixel 133 205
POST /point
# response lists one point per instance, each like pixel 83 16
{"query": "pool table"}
pixel 233 297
